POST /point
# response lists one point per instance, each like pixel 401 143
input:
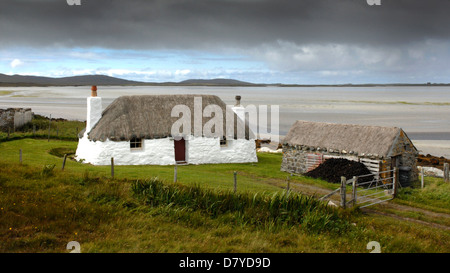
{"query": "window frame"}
pixel 136 143
pixel 221 144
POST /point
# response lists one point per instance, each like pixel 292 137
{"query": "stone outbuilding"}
pixel 308 144
pixel 14 118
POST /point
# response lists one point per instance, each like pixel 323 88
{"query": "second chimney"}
pixel 239 109
pixel 94 91
pixel 238 101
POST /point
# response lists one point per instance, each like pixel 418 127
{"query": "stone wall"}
pixel 14 118
pixel 407 155
pixel 295 158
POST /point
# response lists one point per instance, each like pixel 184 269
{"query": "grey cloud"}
pixel 420 58
pixel 215 24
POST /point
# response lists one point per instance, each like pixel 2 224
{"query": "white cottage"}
pixel 136 130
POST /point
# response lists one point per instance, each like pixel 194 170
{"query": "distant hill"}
pixel 23 80
pixel 20 80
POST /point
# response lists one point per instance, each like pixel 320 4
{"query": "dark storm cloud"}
pixel 206 24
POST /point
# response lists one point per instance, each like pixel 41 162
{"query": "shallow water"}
pixel 423 112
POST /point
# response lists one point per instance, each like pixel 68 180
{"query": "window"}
pixel 223 142
pixel 136 143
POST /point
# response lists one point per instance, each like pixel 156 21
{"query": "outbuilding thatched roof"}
pixel 149 117
pixel 360 139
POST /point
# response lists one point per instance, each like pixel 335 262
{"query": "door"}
pixel 180 150
pixel 395 161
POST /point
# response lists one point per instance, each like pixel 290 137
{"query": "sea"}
pixel 423 112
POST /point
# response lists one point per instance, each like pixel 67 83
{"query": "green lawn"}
pixel 37 153
pixel 434 196
pixel 42 209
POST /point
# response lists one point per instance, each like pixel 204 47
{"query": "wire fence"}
pixel 434 172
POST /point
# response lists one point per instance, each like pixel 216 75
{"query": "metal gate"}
pixel 381 188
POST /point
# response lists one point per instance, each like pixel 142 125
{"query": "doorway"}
pixel 180 151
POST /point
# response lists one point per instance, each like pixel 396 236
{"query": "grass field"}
pixel 42 208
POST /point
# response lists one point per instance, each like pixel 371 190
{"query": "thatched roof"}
pixel 149 117
pixel 359 139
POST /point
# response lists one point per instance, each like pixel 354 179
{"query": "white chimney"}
pixel 239 109
pixel 94 109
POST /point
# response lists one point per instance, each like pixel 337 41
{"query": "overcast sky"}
pixel 263 41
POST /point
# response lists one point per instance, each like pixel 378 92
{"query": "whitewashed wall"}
pixel 154 152
pixel 199 150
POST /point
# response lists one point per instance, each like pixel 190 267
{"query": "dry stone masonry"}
pixel 14 118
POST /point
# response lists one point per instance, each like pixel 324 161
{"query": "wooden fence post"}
pixel 395 182
pixel 421 178
pixel 175 174
pixel 112 167
pixel 288 187
pixel 235 182
pixel 343 191
pixel 49 125
pixel 446 172
pixel 355 182
pixel 64 162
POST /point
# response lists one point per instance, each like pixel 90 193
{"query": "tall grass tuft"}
pixel 274 211
pixel 47 170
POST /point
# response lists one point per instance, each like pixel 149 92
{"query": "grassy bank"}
pixel 42 208
pixel 43 128
pixel 274 212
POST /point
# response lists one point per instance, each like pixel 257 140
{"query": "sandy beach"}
pixel 422 112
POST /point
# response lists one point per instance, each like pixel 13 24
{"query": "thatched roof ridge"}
pixel 149 117
pixel 360 139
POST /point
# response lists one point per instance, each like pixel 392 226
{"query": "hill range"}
pixel 83 80
pixel 23 80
